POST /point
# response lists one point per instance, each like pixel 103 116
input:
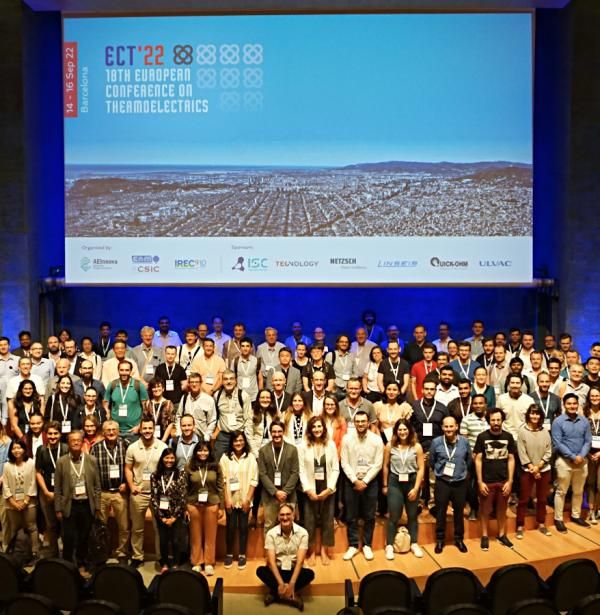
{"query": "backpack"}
pixel 236 362
pixel 402 541
pixel 219 393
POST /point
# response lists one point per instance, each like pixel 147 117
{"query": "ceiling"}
pixel 226 6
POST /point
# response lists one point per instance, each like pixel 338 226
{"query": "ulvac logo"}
pixel 495 263
pixel 448 264
pixel 143 263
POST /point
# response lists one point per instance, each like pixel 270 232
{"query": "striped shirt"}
pixel 245 470
pixel 471 426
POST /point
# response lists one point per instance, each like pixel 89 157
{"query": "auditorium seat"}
pixel 31 604
pixel 535 606
pixel 512 584
pixel 465 609
pixel 12 579
pixel 97 607
pixel 450 586
pixel 590 605
pixel 167 609
pixel 120 584
pixel 383 588
pixel 59 581
pixel 572 581
pixel 189 589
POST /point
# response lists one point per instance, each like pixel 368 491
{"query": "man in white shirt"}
pixel 268 351
pixel 24 374
pixel 362 459
pixel 40 366
pixel 186 353
pixel 515 404
pixel 147 355
pixel 217 335
pixel 164 336
pixel 446 390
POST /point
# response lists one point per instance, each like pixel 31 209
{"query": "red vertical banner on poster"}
pixel 70 79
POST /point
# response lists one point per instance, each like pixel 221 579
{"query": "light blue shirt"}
pixel 442 452
pixel 571 437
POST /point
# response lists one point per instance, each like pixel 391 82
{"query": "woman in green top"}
pixel 204 494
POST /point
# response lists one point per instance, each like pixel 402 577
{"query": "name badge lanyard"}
pixel 81 463
pixel 277 459
pixel 404 459
pixel 462 369
pixel 113 459
pixel 462 410
pixel 394 371
pixel 186 449
pixel 448 454
pixel 155 411
pixel 427 416
pixel 124 395
pixel 64 412
pixel 147 456
pixel 428 368
pixel 53 462
pixel 487 363
pixel 203 478
pixel 265 427
pixel 279 405
pixel 547 407
pixel 165 489
pixel 344 363
pixel 595 426
pixel 298 428
pixel 104 348
pixel 169 374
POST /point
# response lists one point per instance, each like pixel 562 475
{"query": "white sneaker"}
pixel 368 553
pixel 350 553
pixel 209 571
pixel 594 517
pixel 389 552
pixel 416 549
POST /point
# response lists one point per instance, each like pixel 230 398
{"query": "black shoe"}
pixel 433 511
pixel 439 546
pixel 269 599
pixel 580 521
pixel 297 602
pixel 503 540
pixel 461 546
pixel 485 543
pixel 136 563
pixel 560 526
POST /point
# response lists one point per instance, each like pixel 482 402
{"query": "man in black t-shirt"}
pixel 394 369
pixel 495 452
pixel 173 375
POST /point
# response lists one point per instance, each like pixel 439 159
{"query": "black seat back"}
pixel 465 609
pixel 167 609
pixel 185 588
pixel 122 585
pixel 512 584
pixel 590 605
pixel 572 581
pixel 384 588
pixel 97 607
pixel 11 578
pixel 450 586
pixel 59 581
pixel 535 606
pixel 31 604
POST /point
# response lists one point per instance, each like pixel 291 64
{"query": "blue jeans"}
pixel 360 505
pixel 397 498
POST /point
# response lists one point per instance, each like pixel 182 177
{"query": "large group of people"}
pixel 300 435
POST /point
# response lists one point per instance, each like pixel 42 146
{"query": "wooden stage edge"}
pixel 543 552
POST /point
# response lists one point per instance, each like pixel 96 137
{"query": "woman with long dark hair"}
pixel 22 407
pixel 369 378
pixel 535 451
pixel 91 432
pixel 168 489
pixel 295 419
pixel 264 412
pixel 319 472
pixel 161 410
pixel 19 490
pixel 204 493
pixel 64 406
pixel 403 472
pixel 240 478
pixel 591 410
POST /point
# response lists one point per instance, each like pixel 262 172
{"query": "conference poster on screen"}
pixel 283 149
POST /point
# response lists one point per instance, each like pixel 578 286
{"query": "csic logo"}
pixel 85 263
pixel 253 263
pixel 396 264
pixel 438 262
pixel 190 263
pixel 143 263
pixel 498 263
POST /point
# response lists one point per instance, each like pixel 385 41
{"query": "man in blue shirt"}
pixel 571 438
pixel 449 456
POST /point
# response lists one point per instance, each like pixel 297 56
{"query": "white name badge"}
pixel 345 376
pixel 427 430
pixel 245 382
pixel 234 484
pixel 52 479
pixel 548 426
pixel 66 427
pixel 362 468
pixel 320 473
pixel 122 409
pixel 163 504
pixel 169 385
pixel 209 379
pixel 203 496
pixel 232 421
pixel 188 371
pixel 277 479
pixel 388 432
pixel 157 431
pixel 19 493
pixel 80 489
pixel 298 441
pixel 497 389
pixel 113 471
pixel 449 469
pixel 595 441
pixel 286 564
pixel 403 478
pixel 150 369
pixel 146 474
